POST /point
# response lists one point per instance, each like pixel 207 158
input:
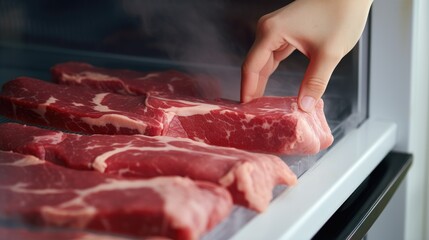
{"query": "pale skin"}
pixel 323 30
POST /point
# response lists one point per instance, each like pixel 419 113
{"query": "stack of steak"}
pixel 151 154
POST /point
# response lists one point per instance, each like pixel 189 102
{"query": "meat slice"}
pixel 78 109
pixel 170 82
pixel 250 177
pixel 42 193
pixel 269 124
pixel 28 233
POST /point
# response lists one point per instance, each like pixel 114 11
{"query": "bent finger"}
pixel 257 58
pixel 315 80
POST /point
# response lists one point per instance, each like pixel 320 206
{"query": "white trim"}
pixel 416 213
pixel 399 92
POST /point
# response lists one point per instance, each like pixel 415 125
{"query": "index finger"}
pixel 255 61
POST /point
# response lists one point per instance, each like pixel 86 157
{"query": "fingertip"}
pixel 307 103
pixel 247 90
pixel 315 81
pixel 245 98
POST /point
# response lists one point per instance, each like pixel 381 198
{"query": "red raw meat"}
pixel 45 194
pixel 268 124
pixel 250 177
pixel 78 109
pixel 28 233
pixel 170 82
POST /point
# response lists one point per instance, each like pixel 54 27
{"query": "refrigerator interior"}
pixel 208 37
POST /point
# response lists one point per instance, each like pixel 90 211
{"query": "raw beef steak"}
pixel 42 193
pixel 123 81
pixel 29 233
pixel 78 109
pixel 250 177
pixel 269 124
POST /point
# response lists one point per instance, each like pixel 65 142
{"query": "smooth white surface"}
pixel 390 59
pixel 399 93
pixel 416 218
pixel 390 93
pixel 299 212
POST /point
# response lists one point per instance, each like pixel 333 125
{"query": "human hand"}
pixel 323 30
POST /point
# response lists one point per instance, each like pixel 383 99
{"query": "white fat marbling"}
pixel 85 75
pixel 118 121
pixel 193 108
pixel 98 98
pixel 100 161
pixel 27 160
pixel 52 138
pixel 41 108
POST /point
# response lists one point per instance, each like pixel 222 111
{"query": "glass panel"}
pixel 201 36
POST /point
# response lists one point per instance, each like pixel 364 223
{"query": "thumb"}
pixel 315 80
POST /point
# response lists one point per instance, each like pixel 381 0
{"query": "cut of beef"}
pixel 250 177
pixel 78 109
pixel 268 124
pixel 42 193
pixel 28 233
pixel 169 82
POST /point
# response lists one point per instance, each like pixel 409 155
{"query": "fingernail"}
pixel 307 103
